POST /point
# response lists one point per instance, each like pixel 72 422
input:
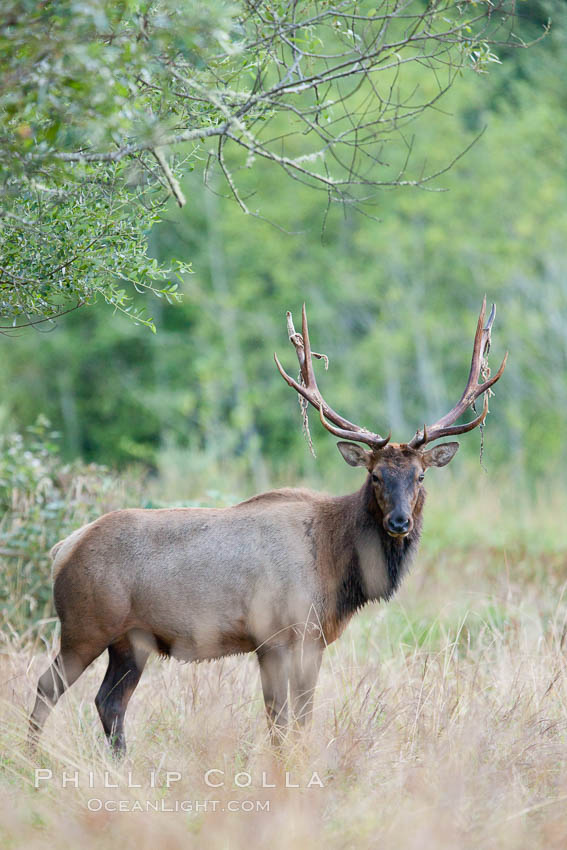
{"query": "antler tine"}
pixel 453 430
pixel 490 322
pixel 474 373
pixel 309 390
pixel 310 376
pixel 297 341
pixel 444 427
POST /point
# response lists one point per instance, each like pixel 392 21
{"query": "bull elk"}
pixel 280 574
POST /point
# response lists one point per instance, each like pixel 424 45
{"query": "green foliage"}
pixel 102 103
pixel 92 242
pixel 80 66
pixel 41 501
pixel 72 231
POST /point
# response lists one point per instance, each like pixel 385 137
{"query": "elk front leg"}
pixel 305 665
pixel 274 673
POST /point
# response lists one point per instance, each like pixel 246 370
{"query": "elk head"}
pixel 397 470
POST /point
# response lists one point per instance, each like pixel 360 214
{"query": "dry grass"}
pixel 441 719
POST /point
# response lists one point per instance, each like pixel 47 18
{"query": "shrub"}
pixel 41 501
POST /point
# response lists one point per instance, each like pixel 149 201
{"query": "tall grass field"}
pixel 440 717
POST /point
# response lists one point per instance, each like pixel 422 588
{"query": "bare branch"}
pixel 173 184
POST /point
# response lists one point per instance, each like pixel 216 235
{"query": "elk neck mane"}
pixel 350 519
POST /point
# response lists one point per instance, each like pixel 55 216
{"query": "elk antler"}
pixel 444 427
pixel 309 390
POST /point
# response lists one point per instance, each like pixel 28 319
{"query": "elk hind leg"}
pixel 306 662
pixel 68 665
pixel 125 666
pixel 274 674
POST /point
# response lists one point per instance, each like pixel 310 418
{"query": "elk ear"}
pixel 440 455
pixel 354 455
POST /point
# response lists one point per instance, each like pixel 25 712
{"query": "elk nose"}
pixel 398 524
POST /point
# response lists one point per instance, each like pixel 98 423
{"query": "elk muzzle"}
pixel 398 523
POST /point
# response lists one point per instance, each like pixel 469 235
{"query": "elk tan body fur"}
pixel 203 583
pixel 280 574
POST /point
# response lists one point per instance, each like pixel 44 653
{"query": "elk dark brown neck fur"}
pixel 398 553
pixel 349 524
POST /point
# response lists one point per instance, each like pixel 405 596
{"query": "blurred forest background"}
pixel 392 300
pixel 392 292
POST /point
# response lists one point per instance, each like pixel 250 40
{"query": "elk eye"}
pixel 375 478
pixel 421 476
